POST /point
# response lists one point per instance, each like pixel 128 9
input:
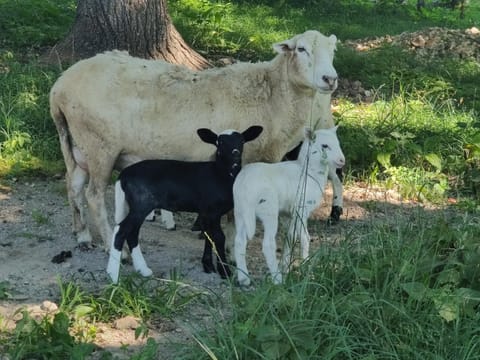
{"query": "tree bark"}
pixel 142 27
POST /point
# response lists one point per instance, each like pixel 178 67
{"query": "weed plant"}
pixel 399 289
pixel 70 332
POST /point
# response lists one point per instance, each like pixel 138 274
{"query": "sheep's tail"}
pixel 63 134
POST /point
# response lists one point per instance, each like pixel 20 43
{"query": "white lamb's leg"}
pixel 167 219
pixel 304 238
pixel 269 247
pixel 139 263
pixel 113 267
pixel 240 250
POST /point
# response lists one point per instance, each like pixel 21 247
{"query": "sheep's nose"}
pixel 330 80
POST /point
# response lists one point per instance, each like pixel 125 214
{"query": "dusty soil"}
pixel 35 226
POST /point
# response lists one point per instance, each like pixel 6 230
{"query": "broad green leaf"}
pixel 434 160
pixel 415 290
pixel 384 159
pixel 82 310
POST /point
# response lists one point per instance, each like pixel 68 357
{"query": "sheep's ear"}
pixel 207 136
pixel 252 133
pixel 309 134
pixel 284 46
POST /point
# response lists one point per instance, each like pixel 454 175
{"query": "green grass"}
pixel 396 289
pixel 70 332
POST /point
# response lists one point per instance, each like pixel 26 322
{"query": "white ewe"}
pixel 113 110
pixel 264 190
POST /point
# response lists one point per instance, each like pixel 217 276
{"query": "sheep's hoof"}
pixel 335 214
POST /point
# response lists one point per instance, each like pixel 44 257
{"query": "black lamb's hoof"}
pixel 224 270
pixel 208 268
pixel 335 214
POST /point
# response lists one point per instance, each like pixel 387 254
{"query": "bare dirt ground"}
pixel 35 225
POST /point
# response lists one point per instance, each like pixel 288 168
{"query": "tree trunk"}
pixel 142 27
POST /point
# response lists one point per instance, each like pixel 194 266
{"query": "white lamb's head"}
pixel 320 146
pixel 311 60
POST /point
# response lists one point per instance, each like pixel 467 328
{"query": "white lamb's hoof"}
pixel 243 280
pixel 113 267
pixel 277 278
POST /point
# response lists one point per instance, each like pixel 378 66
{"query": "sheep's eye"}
pixel 325 146
pixel 301 49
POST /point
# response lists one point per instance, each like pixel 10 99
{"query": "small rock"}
pixel 49 306
pixel 419 41
pixel 125 323
pixel 473 31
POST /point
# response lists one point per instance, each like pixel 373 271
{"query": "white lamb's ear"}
pixel 333 39
pixel 284 46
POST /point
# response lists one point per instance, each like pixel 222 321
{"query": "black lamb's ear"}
pixel 207 136
pixel 252 133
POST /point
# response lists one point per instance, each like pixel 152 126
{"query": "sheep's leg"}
pixel 336 177
pixel 290 241
pixel 240 250
pixel 76 183
pixel 269 247
pixel 304 237
pixel 96 201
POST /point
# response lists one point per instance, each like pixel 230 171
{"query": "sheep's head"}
pixel 229 144
pixel 311 60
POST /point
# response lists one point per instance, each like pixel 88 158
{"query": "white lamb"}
pixel 263 190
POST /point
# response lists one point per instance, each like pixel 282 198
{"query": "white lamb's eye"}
pixel 325 146
pixel 301 49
